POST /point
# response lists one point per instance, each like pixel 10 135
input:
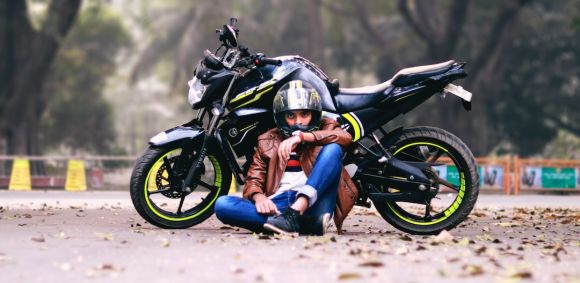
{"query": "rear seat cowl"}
pixel 384 85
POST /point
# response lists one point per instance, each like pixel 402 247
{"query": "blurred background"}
pixel 102 77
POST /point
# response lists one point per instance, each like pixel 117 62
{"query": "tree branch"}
pixel 61 15
pixel 334 8
pixel 495 35
pixel 426 14
pixel 363 17
pixel 456 20
pixel 561 124
pixel 406 13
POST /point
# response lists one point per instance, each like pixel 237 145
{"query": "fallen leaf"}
pixel 372 264
pixel 518 273
pixel 237 270
pixel 480 250
pixel 104 236
pixel 38 239
pixel 403 250
pixel 348 276
pixel 473 269
pixel 420 248
pixel 406 238
pixel 464 242
pixel 507 224
pixel 478 214
pixel 262 236
pixel 443 236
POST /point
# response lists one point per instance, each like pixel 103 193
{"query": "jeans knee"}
pixel 222 205
pixel 332 150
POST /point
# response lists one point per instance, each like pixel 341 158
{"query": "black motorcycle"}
pixel 421 180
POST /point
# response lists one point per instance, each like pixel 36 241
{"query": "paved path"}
pixel 97 237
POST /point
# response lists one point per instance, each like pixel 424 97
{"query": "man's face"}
pixel 301 117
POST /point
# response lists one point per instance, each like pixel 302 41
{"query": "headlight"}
pixel 196 90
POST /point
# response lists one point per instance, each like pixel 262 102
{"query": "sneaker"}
pixel 285 223
pixel 315 225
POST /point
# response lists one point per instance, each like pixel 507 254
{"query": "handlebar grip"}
pixel 266 61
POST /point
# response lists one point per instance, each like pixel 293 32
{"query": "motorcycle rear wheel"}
pixel 455 202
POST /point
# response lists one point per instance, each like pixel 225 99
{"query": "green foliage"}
pixel 539 96
pixel 77 116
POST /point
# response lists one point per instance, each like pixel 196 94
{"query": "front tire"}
pixel 156 186
pixel 455 202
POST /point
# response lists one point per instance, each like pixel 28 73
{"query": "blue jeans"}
pixel 325 176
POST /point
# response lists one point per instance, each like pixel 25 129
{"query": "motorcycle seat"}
pixel 413 75
pixel 358 98
pixel 351 99
pixel 403 77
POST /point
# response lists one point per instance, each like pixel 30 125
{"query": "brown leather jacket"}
pixel 266 170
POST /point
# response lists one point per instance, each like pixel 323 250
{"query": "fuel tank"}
pixel 259 85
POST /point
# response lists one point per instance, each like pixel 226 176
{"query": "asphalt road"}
pixel 98 237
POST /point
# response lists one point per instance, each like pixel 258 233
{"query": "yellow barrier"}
pixel 75 176
pixel 232 185
pixel 20 177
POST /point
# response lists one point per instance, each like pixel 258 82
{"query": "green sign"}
pixel 558 178
pixel 452 175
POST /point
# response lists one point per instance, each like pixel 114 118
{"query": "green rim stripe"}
pixel 217 182
pixel 449 211
pixel 416 143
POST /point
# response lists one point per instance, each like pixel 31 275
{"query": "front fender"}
pixel 176 134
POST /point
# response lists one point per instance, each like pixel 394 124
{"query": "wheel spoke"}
pixel 180 204
pixel 435 156
pixel 160 191
pixel 423 151
pixel 447 184
pixel 427 215
pixel 413 156
pixel 206 185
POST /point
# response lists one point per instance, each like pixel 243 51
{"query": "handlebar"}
pixel 261 61
pixel 241 57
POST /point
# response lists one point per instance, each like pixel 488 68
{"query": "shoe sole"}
pixel 275 229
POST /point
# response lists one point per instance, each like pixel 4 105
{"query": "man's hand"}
pixel 287 146
pixel 264 205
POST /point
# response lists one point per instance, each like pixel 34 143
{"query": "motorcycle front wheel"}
pixel 157 180
pixel 454 191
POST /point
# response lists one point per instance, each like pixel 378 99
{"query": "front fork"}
pixel 217 112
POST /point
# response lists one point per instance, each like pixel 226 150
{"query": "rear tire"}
pixel 153 189
pixel 468 182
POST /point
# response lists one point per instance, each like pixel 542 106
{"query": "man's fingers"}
pixel 262 208
pixel 273 207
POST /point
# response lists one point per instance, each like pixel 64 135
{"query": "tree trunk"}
pixel 315 42
pixel 26 58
